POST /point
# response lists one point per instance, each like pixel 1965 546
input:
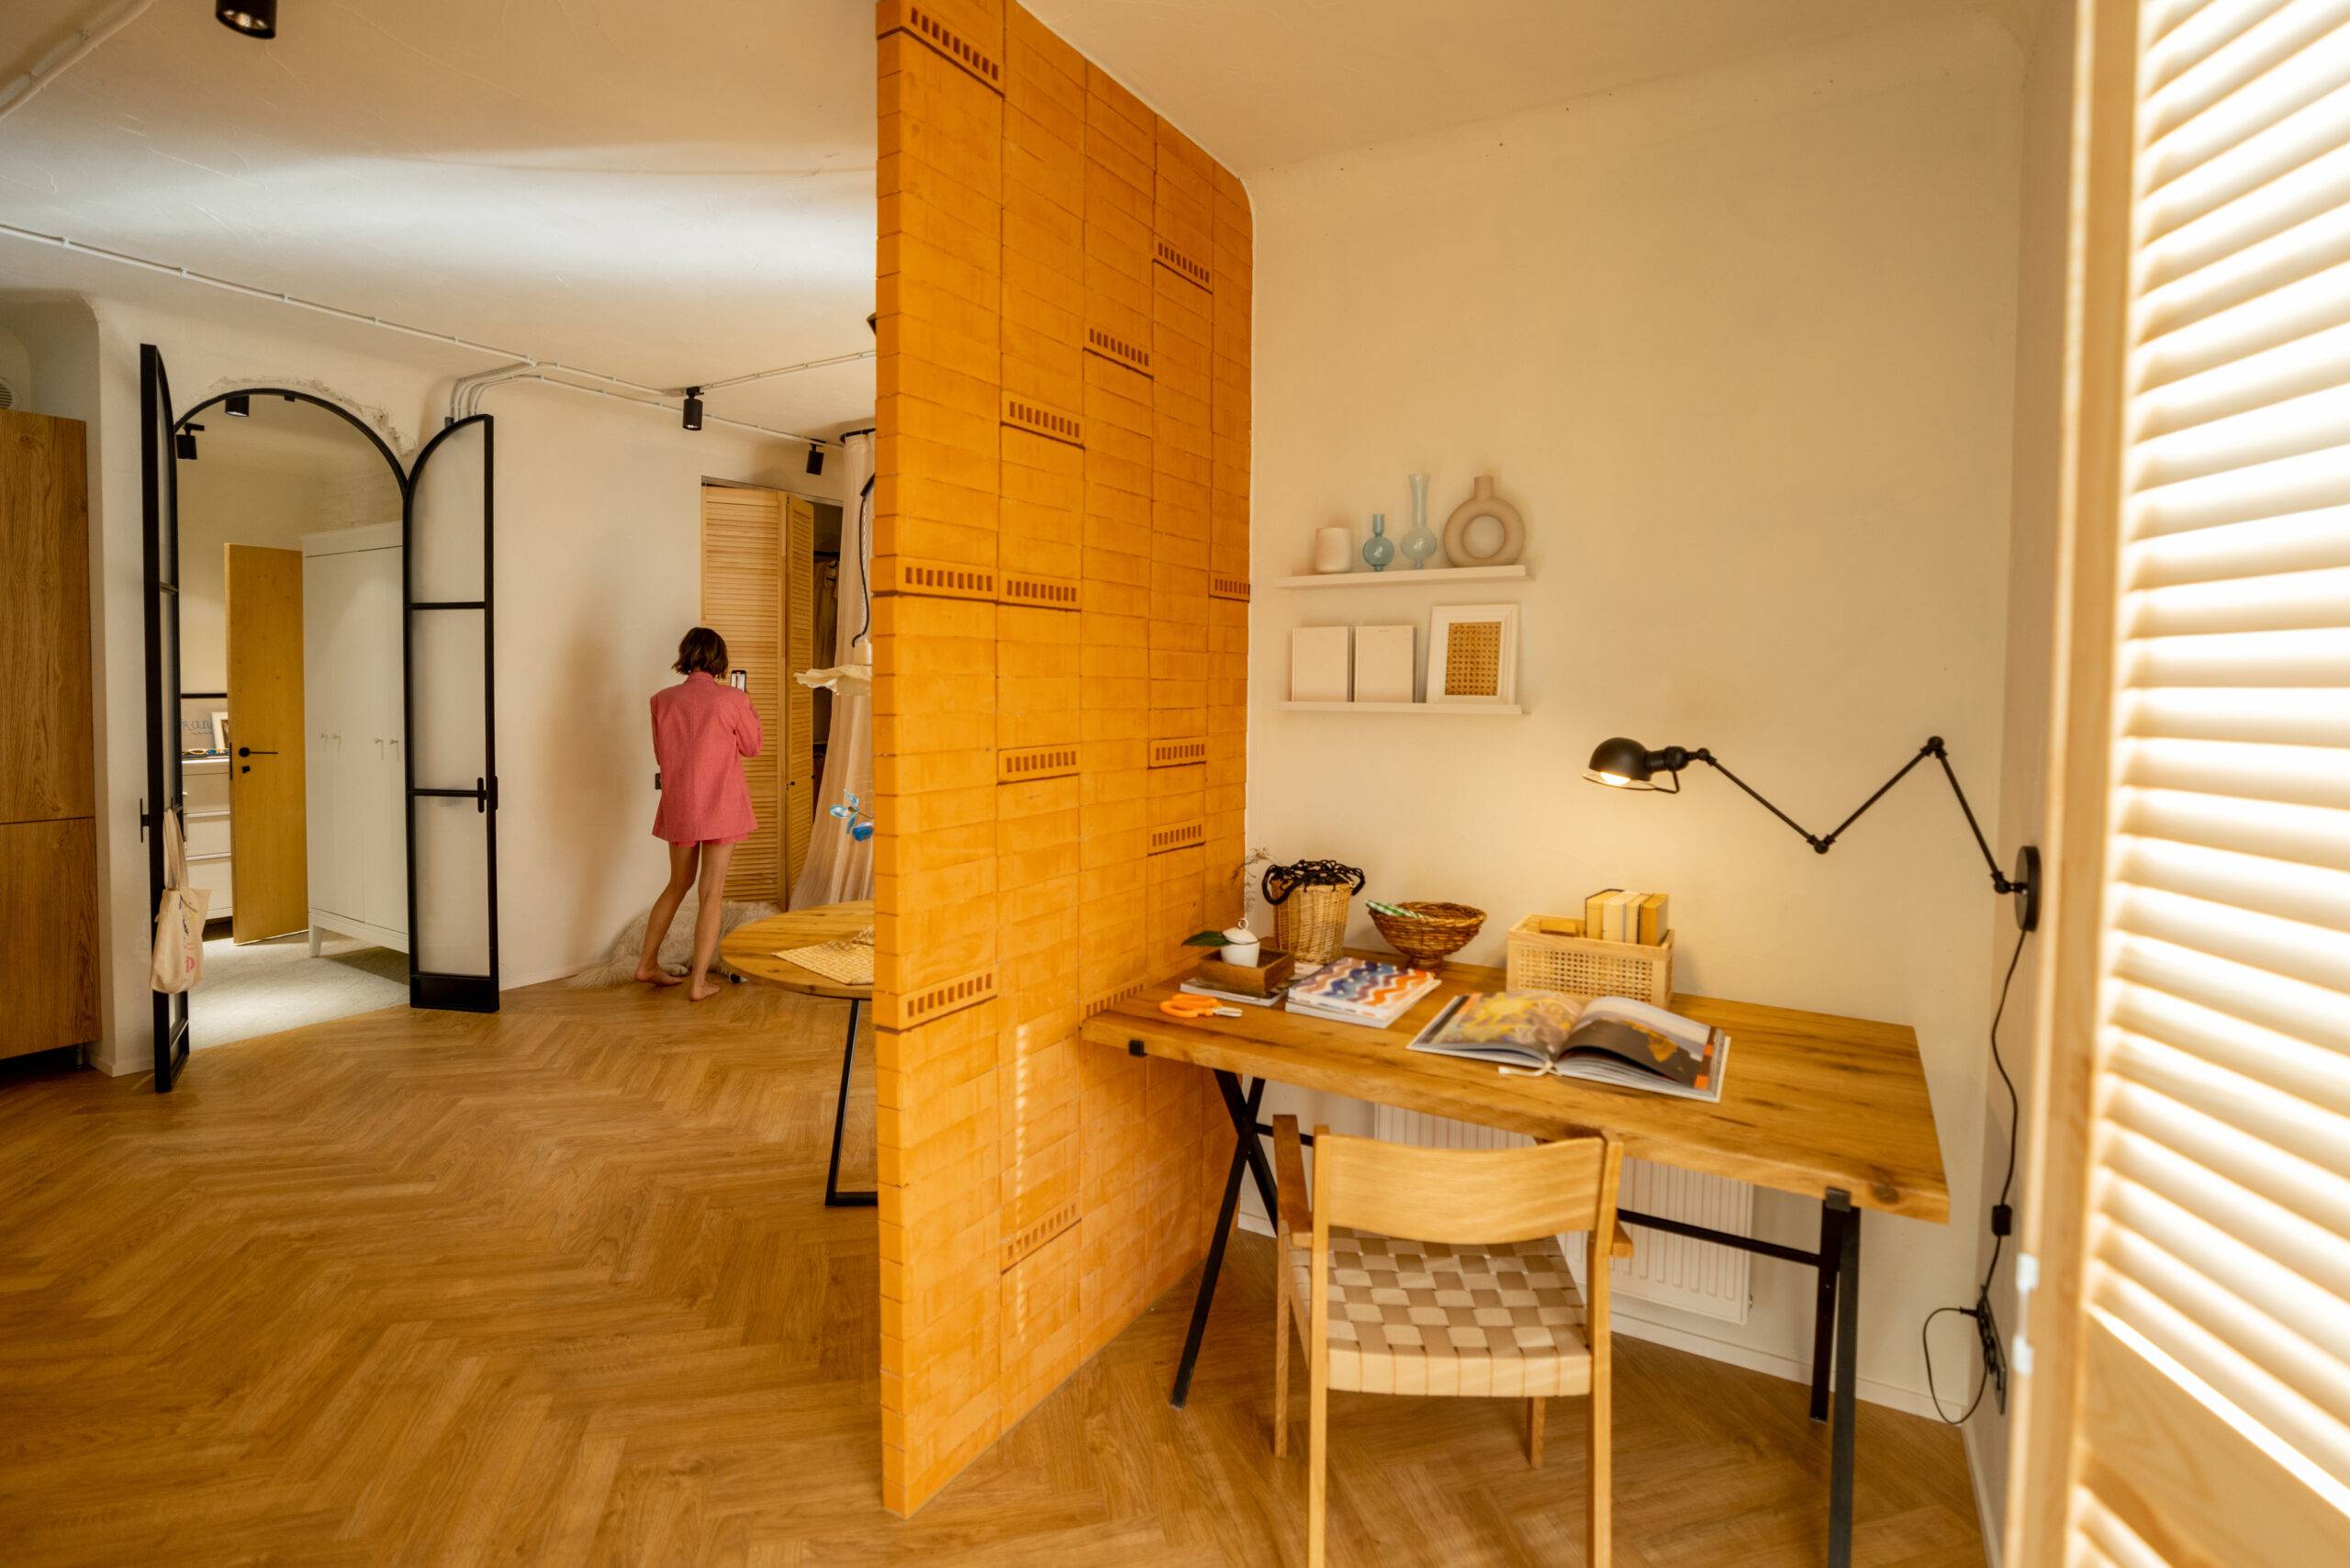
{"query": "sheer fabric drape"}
pixel 839 868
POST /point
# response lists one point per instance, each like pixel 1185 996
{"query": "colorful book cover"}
pixel 1360 985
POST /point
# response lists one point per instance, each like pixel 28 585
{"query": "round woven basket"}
pixel 1430 932
pixel 1312 923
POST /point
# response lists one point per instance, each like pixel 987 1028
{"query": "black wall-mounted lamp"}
pixel 238 405
pixel 1625 764
pixel 693 407
pixel 815 458
pixel 250 18
pixel 184 443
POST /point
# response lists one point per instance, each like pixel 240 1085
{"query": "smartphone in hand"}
pixel 740 679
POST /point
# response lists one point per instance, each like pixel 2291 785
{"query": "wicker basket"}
pixel 1312 923
pixel 1582 965
pixel 1429 933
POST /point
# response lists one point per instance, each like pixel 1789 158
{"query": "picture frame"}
pixel 220 730
pixel 1473 653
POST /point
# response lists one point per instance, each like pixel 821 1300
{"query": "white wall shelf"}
pixel 1404 576
pixel 1484 710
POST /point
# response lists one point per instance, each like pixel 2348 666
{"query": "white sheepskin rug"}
pixel 619 967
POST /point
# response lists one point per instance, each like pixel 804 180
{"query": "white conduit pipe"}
pixel 652 402
pixel 69 51
pixel 516 360
pixel 709 386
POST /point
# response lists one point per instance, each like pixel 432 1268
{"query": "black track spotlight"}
pixel 239 405
pixel 693 407
pixel 815 458
pixel 253 18
pixel 184 443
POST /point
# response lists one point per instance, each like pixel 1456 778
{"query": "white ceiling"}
pixel 681 193
pixel 1263 83
pixel 589 181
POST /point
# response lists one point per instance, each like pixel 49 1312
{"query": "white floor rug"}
pixel 264 987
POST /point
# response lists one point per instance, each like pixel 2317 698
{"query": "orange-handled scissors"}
pixel 1185 1004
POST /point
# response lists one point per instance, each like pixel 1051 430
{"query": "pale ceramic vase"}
pixel 1333 549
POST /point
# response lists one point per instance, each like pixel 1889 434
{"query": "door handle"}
pixel 247 751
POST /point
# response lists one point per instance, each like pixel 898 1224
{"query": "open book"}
pixel 1612 1039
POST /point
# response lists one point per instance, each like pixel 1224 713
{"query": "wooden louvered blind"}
pixel 2199 1303
pixel 798 742
pixel 743 601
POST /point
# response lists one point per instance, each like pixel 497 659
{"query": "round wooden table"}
pixel 750 952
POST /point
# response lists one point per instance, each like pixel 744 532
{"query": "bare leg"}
pixel 665 910
pixel 715 858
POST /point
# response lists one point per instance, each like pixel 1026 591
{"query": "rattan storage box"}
pixel 1582 966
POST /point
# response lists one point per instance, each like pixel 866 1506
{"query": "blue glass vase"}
pixel 1378 550
pixel 1420 543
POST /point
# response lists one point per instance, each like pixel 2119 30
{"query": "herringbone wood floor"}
pixel 555 1286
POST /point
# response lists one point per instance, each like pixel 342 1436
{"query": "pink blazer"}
pixel 701 726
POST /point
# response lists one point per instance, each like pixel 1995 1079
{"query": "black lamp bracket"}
pixel 2024 886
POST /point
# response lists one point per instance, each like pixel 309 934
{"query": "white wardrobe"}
pixel 358 779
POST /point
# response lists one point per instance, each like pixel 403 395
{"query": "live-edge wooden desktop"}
pixel 1829 1108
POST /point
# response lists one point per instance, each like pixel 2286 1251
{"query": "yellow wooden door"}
pixel 742 600
pixel 268 813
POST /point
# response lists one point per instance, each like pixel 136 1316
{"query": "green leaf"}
pixel 1205 939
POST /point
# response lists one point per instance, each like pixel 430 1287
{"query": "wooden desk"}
pixel 750 951
pixel 1829 1108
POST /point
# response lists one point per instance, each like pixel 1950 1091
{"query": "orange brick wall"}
pixel 1060 639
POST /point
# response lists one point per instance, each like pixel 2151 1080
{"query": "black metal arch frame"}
pixel 467 993
pixel 391 458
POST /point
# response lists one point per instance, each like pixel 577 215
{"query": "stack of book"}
pixel 1359 991
pixel 1613 914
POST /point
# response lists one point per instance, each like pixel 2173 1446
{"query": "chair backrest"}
pixel 1466 1196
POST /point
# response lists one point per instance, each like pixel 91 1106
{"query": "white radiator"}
pixel 1672 1271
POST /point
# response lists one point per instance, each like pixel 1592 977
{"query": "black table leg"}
pixel 1823 1320
pixel 1848 1336
pixel 834 1197
pixel 1248 1157
pixel 1242 1109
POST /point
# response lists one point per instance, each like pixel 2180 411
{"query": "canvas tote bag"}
pixel 179 918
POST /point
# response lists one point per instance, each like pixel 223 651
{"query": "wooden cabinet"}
pixel 210 832
pixel 357 779
pixel 49 883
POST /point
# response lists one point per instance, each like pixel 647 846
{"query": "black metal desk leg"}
pixel 1823 1321
pixel 834 1197
pixel 1848 1336
pixel 1243 1110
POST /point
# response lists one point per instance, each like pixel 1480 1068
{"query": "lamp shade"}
pixel 1620 760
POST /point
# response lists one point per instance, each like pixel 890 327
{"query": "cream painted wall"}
pixel 2032 577
pixel 1739 344
pixel 598 557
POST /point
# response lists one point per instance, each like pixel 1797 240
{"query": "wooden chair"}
pixel 1489 1312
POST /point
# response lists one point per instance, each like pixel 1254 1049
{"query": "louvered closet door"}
pixel 2208 1329
pixel 742 600
pixel 798 742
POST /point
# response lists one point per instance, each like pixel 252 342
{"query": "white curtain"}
pixel 838 868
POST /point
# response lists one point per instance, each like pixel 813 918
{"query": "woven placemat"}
pixel 848 960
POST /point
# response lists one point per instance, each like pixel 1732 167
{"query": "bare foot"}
pixel 702 992
pixel 654 974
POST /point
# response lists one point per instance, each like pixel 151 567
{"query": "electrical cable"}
pixel 864 559
pixel 2003 1218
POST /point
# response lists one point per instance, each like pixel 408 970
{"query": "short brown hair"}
pixel 700 649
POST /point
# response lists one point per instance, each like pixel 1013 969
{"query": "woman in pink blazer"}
pixel 702 727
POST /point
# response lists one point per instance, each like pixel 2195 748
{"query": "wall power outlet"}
pixel 1995 1359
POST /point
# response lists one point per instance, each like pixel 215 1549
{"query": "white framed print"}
pixel 1472 653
